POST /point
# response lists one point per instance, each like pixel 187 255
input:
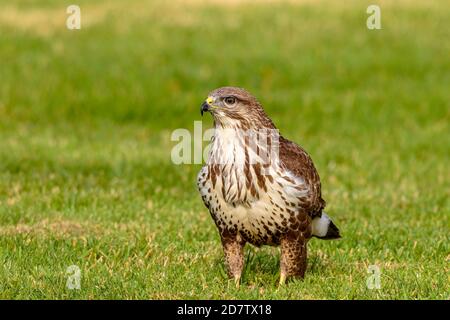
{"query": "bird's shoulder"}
pixel 295 159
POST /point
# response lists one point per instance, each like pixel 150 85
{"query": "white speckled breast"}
pixel 256 200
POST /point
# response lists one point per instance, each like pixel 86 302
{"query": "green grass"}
pixel 85 123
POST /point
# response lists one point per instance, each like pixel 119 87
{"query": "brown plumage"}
pixel 259 187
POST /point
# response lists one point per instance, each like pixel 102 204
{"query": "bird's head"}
pixel 233 107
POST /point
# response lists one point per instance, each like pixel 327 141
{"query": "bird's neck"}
pixel 237 146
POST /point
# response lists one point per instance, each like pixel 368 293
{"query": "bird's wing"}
pixel 299 163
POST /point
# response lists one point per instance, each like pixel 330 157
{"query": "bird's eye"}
pixel 230 100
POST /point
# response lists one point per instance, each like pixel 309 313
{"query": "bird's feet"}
pixel 237 280
pixel 282 280
pixel 234 257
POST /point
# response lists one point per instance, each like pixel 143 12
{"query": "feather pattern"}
pixel 259 188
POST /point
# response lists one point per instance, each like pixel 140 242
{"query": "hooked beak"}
pixel 204 107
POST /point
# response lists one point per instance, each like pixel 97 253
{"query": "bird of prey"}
pixel 262 191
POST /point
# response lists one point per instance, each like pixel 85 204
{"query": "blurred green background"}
pixel 86 116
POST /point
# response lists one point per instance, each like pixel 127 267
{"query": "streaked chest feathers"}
pixel 247 189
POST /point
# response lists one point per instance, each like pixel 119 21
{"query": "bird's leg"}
pixel 293 257
pixel 233 248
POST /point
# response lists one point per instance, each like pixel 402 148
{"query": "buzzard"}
pixel 259 187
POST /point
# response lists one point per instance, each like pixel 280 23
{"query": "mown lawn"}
pixel 86 117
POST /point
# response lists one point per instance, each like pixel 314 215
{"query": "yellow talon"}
pixel 282 279
pixel 237 281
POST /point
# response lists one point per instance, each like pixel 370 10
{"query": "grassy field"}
pixel 86 117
